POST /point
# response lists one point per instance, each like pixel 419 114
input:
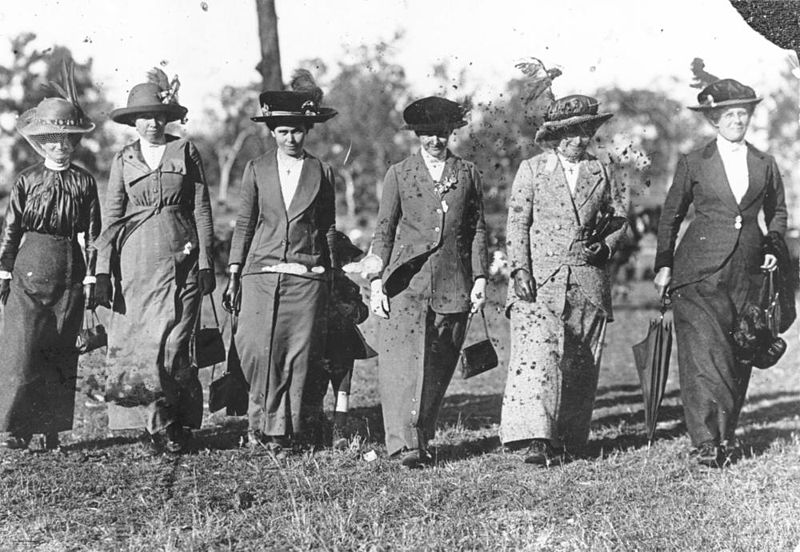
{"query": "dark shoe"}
pixel 731 452
pixel 416 459
pixel 709 454
pixel 51 441
pixel 177 439
pixel 542 453
pixel 15 442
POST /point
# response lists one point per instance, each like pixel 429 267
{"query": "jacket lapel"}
pixel 716 177
pixel 307 187
pixel 590 175
pixel 132 155
pixel 559 184
pixel 756 168
pixel 422 178
pixel 270 186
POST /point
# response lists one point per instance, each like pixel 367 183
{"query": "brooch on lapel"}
pixel 446 184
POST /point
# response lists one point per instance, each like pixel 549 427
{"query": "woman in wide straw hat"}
pixel 281 257
pixel 46 278
pixel 559 297
pixel 717 267
pixel 157 246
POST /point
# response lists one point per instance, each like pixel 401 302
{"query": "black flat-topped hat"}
pixel 432 114
pixel 569 112
pixel 725 93
pixel 289 104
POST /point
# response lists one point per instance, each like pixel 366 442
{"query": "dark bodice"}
pixel 62 203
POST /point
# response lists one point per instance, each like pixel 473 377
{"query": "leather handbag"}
pixel 231 390
pixel 206 344
pixel 478 357
pixel 755 334
pixel 93 334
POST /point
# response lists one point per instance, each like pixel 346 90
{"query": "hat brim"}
pixel 128 115
pixel 28 126
pixel 324 114
pixel 555 129
pixel 726 103
pixel 433 127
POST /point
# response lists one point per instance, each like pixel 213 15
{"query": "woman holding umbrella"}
pixel 566 217
pixel 717 267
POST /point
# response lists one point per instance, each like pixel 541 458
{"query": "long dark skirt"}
pixel 713 381
pixel 281 340
pixel 38 360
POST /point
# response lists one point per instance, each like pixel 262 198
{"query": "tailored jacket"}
pixel 720 224
pixel 417 225
pixel 175 193
pixel 545 223
pixel 268 234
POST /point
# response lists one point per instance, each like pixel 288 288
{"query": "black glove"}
pixel 597 254
pixel 206 281
pixel 88 292
pixel 525 286
pixel 103 291
pixel 230 298
pixel 5 289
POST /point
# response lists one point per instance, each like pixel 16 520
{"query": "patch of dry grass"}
pixel 100 493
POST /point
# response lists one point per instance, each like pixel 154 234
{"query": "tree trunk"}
pixel 270 64
pixel 349 195
pixel 226 157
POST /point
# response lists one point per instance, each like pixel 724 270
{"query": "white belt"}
pixel 292 268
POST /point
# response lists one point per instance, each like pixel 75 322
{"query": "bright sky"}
pixel 632 43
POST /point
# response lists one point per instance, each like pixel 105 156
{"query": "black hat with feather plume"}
pixel 301 104
pixel 59 113
pixel 157 96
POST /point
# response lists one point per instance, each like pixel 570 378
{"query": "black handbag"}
pixel 206 344
pixel 478 357
pixel 231 390
pixel 93 334
pixel 755 335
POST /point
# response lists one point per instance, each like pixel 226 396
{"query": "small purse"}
pixel 231 390
pixel 206 344
pixel 478 357
pixel 92 336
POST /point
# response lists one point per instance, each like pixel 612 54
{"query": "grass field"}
pixel 100 493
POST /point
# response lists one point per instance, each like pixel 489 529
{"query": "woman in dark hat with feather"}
pixel 157 244
pixel 281 257
pixel 559 299
pixel 717 267
pixel 431 241
pixel 45 277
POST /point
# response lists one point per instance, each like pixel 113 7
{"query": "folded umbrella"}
pixel 652 363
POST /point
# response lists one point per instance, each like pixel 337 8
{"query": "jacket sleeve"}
pixel 202 209
pixel 247 218
pixel 12 229
pixel 480 255
pixel 93 226
pixel 114 209
pixel 620 201
pixel 679 198
pixel 328 218
pixel 388 217
pixel 520 218
pixel 775 214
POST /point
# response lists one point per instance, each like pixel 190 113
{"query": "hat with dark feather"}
pixel 300 104
pixel 725 93
pixel 157 96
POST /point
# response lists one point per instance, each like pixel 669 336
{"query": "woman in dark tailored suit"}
pixel 431 239
pixel 717 266
pixel 281 258
pixel 45 276
pixel 157 244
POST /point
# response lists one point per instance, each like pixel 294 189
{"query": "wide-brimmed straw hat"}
pixel 571 112
pixel 144 99
pixel 53 116
pixel 433 114
pixel 725 93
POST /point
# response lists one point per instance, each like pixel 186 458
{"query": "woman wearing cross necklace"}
pixel 281 258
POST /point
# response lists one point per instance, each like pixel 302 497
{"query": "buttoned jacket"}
pixel 267 233
pixel 546 221
pixel 444 233
pixel 720 223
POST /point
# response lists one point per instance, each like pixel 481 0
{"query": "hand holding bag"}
pixel 478 357
pixel 230 391
pixel 206 344
pixel 91 337
pixel 755 334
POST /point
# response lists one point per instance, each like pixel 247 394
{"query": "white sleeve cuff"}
pixel 5 275
pixel 89 280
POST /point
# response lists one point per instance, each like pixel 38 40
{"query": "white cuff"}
pixel 235 268
pixel 5 275
pixel 89 280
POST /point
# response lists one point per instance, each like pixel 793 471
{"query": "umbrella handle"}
pixel 666 303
